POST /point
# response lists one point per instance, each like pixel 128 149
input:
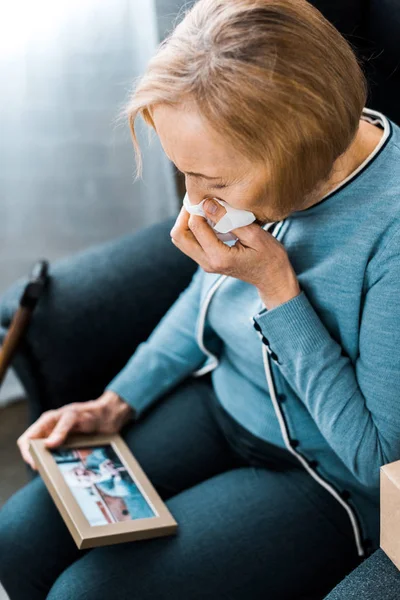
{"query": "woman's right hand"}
pixel 106 414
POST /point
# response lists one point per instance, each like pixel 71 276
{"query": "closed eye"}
pixel 218 186
pixel 215 186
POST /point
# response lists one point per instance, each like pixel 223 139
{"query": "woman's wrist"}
pixel 116 408
pixel 290 290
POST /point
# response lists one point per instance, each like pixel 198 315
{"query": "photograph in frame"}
pixel 101 491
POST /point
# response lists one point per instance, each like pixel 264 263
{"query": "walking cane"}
pixel 19 324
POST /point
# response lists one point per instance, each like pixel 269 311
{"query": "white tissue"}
pixel 233 218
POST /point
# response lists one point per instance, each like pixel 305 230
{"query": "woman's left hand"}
pixel 257 257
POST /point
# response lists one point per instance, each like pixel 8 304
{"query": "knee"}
pixel 13 552
pixel 74 582
pixel 20 559
pixel 11 527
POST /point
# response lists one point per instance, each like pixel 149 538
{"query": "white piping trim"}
pixel 271 387
pixel 200 330
pixel 307 467
pixel 203 312
pixel 386 130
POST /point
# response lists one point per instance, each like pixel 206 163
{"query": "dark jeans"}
pixel 251 522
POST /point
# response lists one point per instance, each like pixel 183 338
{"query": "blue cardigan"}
pixel 318 375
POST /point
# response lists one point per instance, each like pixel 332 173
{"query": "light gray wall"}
pixel 66 170
pixel 169 12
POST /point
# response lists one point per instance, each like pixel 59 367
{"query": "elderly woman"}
pixel 265 401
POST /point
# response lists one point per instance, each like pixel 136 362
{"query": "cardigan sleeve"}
pixel 355 406
pixel 169 354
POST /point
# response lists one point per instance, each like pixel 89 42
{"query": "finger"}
pixel 65 424
pixel 219 212
pixel 182 237
pixel 181 225
pixel 26 455
pixel 32 463
pixel 196 238
pixel 212 247
pixel 38 429
pixel 189 245
pixel 245 233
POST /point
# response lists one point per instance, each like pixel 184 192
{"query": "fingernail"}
pixel 52 438
pixel 211 206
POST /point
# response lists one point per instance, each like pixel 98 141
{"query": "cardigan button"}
pixel 295 443
pixel 274 356
pixel 256 326
pixel 345 494
pixel 281 397
pixel 265 341
pixel 313 464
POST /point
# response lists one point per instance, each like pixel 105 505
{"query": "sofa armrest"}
pixel 23 366
pixel 94 313
pixel 376 578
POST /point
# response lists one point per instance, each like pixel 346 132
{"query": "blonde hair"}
pixel 274 76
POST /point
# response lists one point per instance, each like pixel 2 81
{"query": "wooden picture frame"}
pixel 93 516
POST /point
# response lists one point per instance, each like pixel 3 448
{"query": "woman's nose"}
pixel 195 193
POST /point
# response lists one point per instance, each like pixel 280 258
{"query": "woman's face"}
pixel 210 165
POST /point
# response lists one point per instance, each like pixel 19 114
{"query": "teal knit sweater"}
pixel 318 375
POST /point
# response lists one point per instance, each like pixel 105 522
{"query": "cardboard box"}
pixel 390 511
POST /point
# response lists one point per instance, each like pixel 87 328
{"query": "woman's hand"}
pixel 257 257
pixel 106 414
